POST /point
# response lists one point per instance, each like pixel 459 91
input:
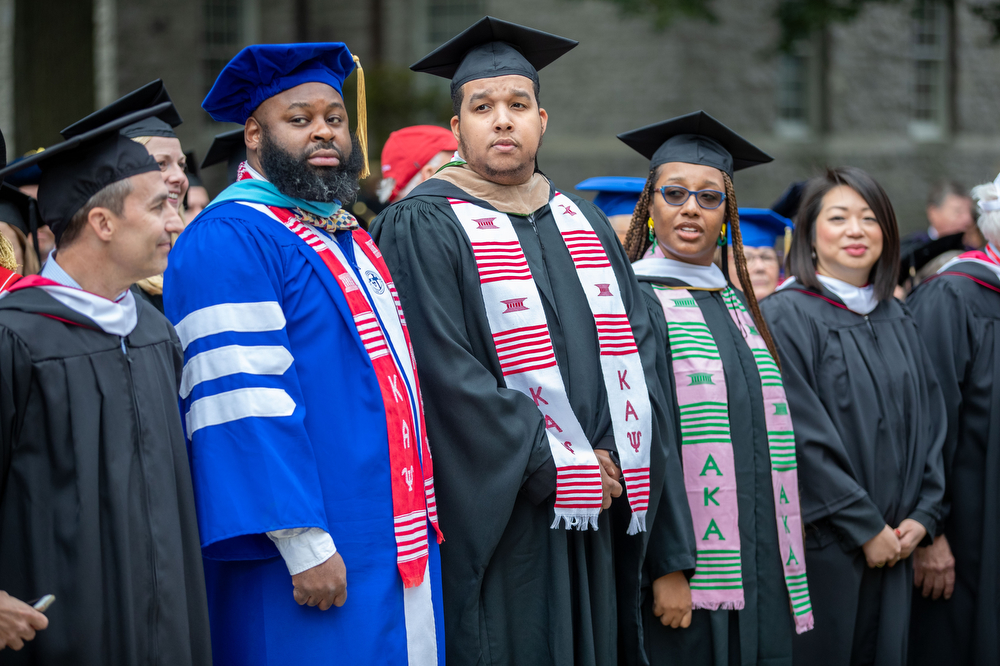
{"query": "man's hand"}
pixel 610 476
pixel 18 622
pixel 910 534
pixel 672 600
pixel 883 548
pixel 324 585
pixel 934 569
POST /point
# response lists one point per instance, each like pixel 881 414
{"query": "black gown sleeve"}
pixel 828 486
pixel 15 373
pixel 671 539
pixel 942 320
pixel 927 512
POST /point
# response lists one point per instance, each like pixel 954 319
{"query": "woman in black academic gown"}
pixel 677 228
pixel 869 420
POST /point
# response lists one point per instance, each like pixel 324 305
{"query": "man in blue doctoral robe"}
pixel 311 475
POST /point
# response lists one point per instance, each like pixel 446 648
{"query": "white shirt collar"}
pixel 118 317
pixel 700 277
pixel 859 300
pixel 53 271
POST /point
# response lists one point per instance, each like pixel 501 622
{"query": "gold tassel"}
pixel 788 240
pixel 362 118
pixel 8 259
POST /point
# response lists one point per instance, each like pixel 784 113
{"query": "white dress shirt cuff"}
pixel 303 547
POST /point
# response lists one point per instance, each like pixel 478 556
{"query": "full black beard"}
pixel 296 178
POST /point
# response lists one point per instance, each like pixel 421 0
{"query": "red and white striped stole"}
pixel 409 464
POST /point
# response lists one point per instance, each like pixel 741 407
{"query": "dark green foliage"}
pixel 798 19
pixel 989 12
pixel 665 12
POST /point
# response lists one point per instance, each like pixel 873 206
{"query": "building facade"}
pixel 907 96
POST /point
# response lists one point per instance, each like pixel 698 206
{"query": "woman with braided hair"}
pixel 747 593
pixel 870 420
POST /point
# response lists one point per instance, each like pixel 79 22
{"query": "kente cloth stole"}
pixel 707 454
pixel 528 361
pixel 411 510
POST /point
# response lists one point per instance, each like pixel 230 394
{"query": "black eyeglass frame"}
pixel 663 193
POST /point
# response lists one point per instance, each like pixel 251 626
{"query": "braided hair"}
pixel 637 243
pixel 637 239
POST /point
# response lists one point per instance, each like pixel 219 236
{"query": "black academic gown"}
pixel 869 426
pixel 762 632
pixel 959 321
pixel 515 590
pixel 96 503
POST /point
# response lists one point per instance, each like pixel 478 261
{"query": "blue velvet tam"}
pixel 616 195
pixel 265 70
pixel 761 227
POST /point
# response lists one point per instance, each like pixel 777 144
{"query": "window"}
pixel 793 89
pixel 229 26
pixel 929 115
pixel 447 18
pixel 800 77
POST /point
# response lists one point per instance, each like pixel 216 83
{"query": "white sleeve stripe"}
pixel 231 360
pixel 235 405
pixel 235 317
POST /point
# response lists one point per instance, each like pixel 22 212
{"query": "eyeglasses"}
pixel 675 195
pixel 765 256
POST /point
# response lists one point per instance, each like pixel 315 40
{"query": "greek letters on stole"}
pixel 707 453
pixel 528 362
pixel 409 453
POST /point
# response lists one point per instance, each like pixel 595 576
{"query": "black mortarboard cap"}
pixel 193 172
pixel 151 94
pixel 29 176
pixel 18 209
pixel 81 166
pixel 788 203
pixel 695 138
pixel 228 147
pixel 491 47
pixel 915 253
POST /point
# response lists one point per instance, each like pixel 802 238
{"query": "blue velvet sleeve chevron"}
pixel 252 461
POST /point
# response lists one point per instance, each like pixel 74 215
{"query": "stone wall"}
pixel 626 74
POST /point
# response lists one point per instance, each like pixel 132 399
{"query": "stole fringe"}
pixel 410 582
pixel 637 523
pixel 808 625
pixel 579 522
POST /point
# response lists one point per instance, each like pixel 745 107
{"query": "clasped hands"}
pixel 325 585
pixel 610 478
pixel 892 545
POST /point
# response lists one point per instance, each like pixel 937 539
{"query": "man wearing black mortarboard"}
pixel 96 499
pixel 531 337
pixel 229 148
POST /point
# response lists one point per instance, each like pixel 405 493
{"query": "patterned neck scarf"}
pixel 709 463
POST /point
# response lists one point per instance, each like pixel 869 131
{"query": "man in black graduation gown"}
pixel 515 590
pixel 96 502
pixel 955 617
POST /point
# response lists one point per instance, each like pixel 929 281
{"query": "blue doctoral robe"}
pixel 276 446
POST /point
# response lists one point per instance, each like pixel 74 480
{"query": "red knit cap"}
pixel 409 149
